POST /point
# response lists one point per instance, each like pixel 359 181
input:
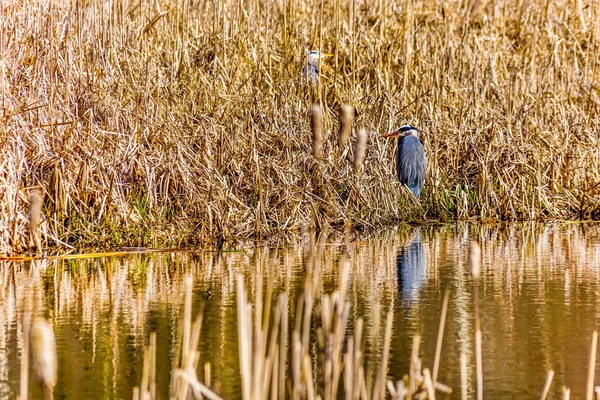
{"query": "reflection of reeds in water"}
pixel 130 288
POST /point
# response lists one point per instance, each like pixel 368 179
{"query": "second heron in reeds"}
pixel 310 72
pixel 411 163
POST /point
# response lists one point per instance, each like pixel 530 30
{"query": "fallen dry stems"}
pixel 171 126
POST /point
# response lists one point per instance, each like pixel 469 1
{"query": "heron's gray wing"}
pixel 311 74
pixel 411 163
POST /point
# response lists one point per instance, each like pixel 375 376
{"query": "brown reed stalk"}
pixel 380 383
pixel 147 388
pixel 547 385
pixel 463 377
pixel 360 150
pixel 475 264
pixel 35 206
pixel 43 355
pixel 440 338
pixel 415 366
pixel 259 356
pixel 24 378
pixel 317 131
pixel 589 392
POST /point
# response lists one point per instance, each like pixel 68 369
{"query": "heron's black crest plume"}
pixel 406 128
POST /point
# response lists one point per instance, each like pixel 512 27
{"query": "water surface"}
pixel 539 303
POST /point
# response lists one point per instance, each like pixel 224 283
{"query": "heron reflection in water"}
pixel 411 266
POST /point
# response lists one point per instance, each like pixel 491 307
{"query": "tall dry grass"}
pixel 183 122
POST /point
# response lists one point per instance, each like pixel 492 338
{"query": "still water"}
pixel 539 302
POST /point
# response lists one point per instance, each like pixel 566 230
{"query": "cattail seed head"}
pixel 475 259
pixel 346 119
pixel 35 205
pixel 43 353
pixel 360 150
pixel 317 131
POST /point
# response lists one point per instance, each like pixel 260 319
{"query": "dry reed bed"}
pixel 179 123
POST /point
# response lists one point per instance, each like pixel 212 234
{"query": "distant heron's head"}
pixel 403 131
pixel 314 56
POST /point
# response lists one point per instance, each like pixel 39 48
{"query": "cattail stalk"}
pixel 346 119
pixel 35 205
pixel 317 131
pixel 360 150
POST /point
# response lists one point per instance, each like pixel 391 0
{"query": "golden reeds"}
pixel 195 118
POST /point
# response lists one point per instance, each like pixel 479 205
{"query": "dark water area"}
pixel 538 294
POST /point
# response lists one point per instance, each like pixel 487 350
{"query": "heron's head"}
pixel 403 131
pixel 314 57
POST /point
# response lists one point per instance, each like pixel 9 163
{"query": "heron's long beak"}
pixel 326 55
pixel 393 134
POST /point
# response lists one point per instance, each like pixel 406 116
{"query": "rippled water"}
pixel 539 302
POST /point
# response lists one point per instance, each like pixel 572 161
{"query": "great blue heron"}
pixel 410 159
pixel 310 72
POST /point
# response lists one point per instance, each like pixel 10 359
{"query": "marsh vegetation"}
pixel 173 123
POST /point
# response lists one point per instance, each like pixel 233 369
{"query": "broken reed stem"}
pixel 414 364
pixel 547 385
pixel 428 384
pixel 566 393
pixel 475 264
pixel 147 388
pixel 43 355
pixel 360 150
pixel 24 378
pixel 244 339
pixel 479 365
pixel 317 131
pixel 379 390
pixel 589 393
pixel 464 391
pixel 346 119
pixel 440 338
